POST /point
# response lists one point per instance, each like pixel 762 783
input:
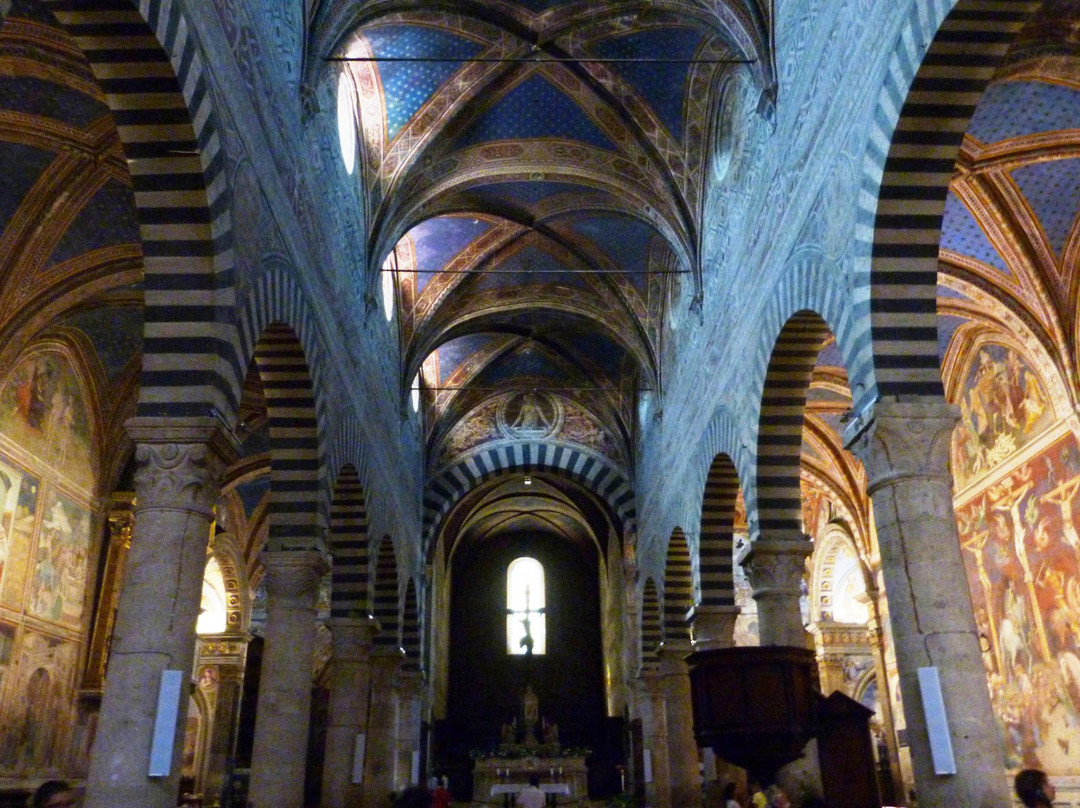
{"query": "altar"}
pixel 563 779
pixel 501 773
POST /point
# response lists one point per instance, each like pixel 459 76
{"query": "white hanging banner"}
pixel 937 722
pixel 168 707
pixel 359 745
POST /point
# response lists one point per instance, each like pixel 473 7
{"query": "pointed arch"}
pixel 946 54
pixel 652 633
pixel 595 472
pixel 350 595
pixel 386 595
pixel 296 502
pixel 678 587
pixel 716 545
pixel 147 59
pixel 780 434
pixel 410 626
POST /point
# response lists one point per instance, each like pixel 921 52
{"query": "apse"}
pixel 525 606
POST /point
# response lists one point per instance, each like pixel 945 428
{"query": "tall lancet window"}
pixel 526 628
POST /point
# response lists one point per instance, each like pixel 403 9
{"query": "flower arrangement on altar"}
pixel 518 751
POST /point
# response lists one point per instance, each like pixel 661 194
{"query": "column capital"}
pixel 179 462
pixel 775 565
pixel 353 637
pixel 294 575
pixel 899 440
pixel 714 627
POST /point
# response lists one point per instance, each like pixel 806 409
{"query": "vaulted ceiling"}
pixel 533 175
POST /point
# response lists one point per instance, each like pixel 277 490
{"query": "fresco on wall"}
pixel 43 410
pixel 58 583
pixel 1022 553
pixel 1003 406
pixel 35 733
pixel 18 507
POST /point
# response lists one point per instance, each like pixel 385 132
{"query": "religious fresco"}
pixel 38 713
pixel 58 583
pixel 43 410
pixel 529 415
pixel 18 506
pixel 1022 553
pixel 1003 406
pixel 47 542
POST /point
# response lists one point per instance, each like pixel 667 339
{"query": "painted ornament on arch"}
pixel 1003 406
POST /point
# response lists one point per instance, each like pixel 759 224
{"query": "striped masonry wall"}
pixel 945 56
pixel 783 406
pixel 149 66
pixel 410 627
pixel 678 588
pixel 350 590
pixel 296 515
pixel 652 633
pixel 386 596
pixel 717 531
pixel 595 472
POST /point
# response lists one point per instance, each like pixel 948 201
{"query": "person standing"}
pixel 1034 789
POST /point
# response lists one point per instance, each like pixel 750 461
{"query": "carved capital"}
pixel 293 576
pixel 353 637
pixel 775 566
pixel 179 462
pixel 714 627
pixel 901 440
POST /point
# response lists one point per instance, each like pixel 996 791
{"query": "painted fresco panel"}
pixel 58 583
pixel 1022 553
pixel 1003 407
pixel 38 715
pixel 43 410
pixel 18 507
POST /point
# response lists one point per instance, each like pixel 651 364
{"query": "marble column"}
pixel 179 464
pixel 656 741
pixel 350 687
pixel 905 448
pixel 380 766
pixel 684 776
pixel 775 567
pixel 279 752
pixel 713 627
pixel 410 698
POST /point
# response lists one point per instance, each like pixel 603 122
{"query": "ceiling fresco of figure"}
pixel 534 179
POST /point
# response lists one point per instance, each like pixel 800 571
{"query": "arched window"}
pixel 526 624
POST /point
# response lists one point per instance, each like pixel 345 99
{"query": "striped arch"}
pixel 594 471
pixel 297 512
pixel 811 301
pixel 410 627
pixel 717 533
pixel 146 58
pixel 652 633
pixel 350 595
pixel 938 71
pixel 347 448
pixel 678 588
pixel 386 596
pixel 780 434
